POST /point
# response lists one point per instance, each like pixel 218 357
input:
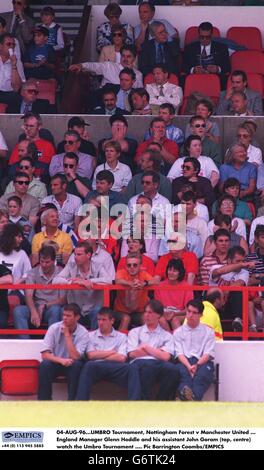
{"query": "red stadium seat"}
pixel 3 107
pixel 192 34
pixel 172 79
pixel 248 61
pixel 208 85
pixel 247 36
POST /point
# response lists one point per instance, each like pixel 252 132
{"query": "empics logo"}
pixel 22 436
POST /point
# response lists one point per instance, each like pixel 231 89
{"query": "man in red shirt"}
pixel 31 127
pixel 169 148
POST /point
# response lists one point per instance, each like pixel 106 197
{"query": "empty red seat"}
pixel 3 107
pixel 248 61
pixel 208 85
pixel 248 36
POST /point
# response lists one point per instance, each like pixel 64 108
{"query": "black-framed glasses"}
pixel 22 182
pixel 199 125
pixel 68 165
pixel 69 142
pixel 32 91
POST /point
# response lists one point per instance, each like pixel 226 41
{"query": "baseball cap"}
pixel 77 121
pixel 42 30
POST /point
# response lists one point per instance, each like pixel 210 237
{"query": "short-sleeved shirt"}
pixel 243 175
pixel 54 340
pixel 41 296
pixel 46 151
pixel 61 238
pixel 190 262
pixel 194 342
pixel 30 204
pixel 158 338
pixel 241 275
pixel 140 297
pixel 116 341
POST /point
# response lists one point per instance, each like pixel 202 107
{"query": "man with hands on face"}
pixel 76 184
pixel 11 71
pixel 19 24
pixel 63 345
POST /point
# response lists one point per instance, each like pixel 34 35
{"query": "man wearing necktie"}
pixel 206 55
pixel 159 50
pixel 19 24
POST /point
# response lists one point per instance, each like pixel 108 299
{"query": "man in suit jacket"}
pixel 239 83
pixel 29 102
pixel 19 24
pixel 206 55
pixel 159 51
pixel 109 107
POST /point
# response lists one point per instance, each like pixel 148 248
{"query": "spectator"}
pixel 104 183
pixel 3 30
pixel 111 70
pixel 207 55
pixel 64 344
pixel 106 353
pixel 159 50
pixel 219 256
pixel 130 303
pixel 50 220
pixel 117 41
pixel 239 83
pixel 30 204
pixel 89 265
pixel 142 31
pixel 173 301
pixel 245 135
pixel 109 106
pixel 67 204
pixel 36 188
pixel 136 246
pixel 194 347
pixel 193 148
pixel 29 149
pixel 103 36
pixel 209 148
pixel 232 188
pixel 78 124
pixel 227 206
pixel 76 184
pixel 72 143
pixel 238 105
pixel 39 58
pixel 122 173
pixel 41 305
pixel 150 349
pixel 167 113
pixel 19 23
pixel 224 221
pixel 12 73
pixel 32 126
pixel 55 38
pixel 169 150
pixel 213 303
pixel 15 217
pixel 29 101
pixel 139 102
pixel 161 91
pixel 205 109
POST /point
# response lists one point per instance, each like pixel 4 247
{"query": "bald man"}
pixel 215 301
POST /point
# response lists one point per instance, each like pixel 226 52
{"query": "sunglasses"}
pixel 186 167
pixel 22 182
pixel 23 167
pixel 199 125
pixel 69 142
pixel 68 165
pixel 246 136
pixel 117 34
pixel 132 265
pixel 32 91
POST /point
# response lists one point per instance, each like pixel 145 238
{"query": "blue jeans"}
pixel 200 382
pixel 22 317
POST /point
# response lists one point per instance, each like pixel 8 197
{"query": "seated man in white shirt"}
pixel 162 91
pixel 11 71
pixel 110 70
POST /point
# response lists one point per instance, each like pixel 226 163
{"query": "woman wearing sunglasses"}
pixel 112 12
pixel 118 40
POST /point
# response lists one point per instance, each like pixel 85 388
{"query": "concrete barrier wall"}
pixel 10 126
pixel 241 369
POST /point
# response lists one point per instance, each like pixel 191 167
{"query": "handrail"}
pixel 107 288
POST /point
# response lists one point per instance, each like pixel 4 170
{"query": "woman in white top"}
pixel 193 148
pixel 244 136
pixel 227 205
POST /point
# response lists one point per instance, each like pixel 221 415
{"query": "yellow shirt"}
pixel 210 317
pixel 61 238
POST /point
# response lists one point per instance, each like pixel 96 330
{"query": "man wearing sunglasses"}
pixel 30 204
pixel 35 188
pixel 207 55
pixel 19 24
pixel 29 101
pixel 209 148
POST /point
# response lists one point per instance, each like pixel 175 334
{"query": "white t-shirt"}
pixel 240 230
pixel 207 167
pixel 242 275
pixel 18 262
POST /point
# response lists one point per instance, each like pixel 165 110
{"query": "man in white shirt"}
pixel 11 71
pixel 195 348
pixel 162 91
pixel 111 70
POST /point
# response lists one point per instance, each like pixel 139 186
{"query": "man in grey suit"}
pixel 239 83
pixel 19 24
